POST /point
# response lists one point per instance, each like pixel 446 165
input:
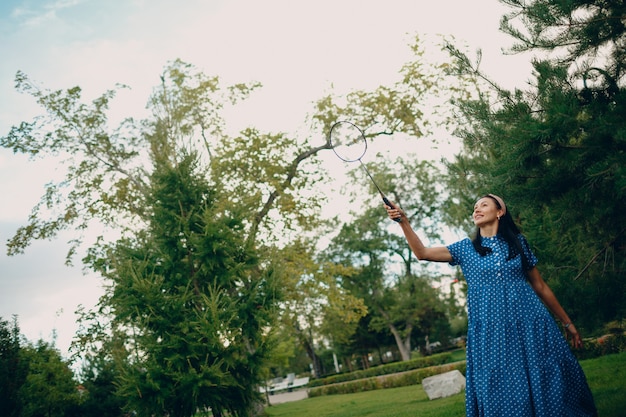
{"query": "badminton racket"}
pixel 348 142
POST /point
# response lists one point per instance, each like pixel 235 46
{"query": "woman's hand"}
pixel 571 330
pixel 423 253
pixel 395 213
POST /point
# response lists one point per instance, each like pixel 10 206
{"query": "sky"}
pixel 297 49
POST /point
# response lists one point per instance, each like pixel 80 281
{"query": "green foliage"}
pixel 99 398
pixel 571 28
pixel 313 298
pixel 402 379
pixel 405 304
pixel 35 380
pixel 556 152
pixel 386 369
pixel 13 369
pixel 49 388
pixel 193 308
pixel 102 173
pixel 365 340
pixel 402 304
pixel 320 294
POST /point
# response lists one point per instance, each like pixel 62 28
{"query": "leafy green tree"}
pixel 401 301
pixel 365 340
pixel 13 368
pixel 99 397
pixel 185 289
pixel 409 110
pixel 322 309
pixel 49 389
pixel 556 150
pixel 253 179
pixel 312 298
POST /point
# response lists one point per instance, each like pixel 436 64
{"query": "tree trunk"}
pixel 310 351
pixel 404 346
pixel 258 409
pixel 365 362
pixel 405 352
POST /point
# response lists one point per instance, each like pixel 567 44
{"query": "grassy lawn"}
pixel 606 376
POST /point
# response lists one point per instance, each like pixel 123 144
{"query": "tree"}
pixel 401 301
pixel 254 184
pixel 556 150
pixel 13 368
pixel 186 291
pixel 407 111
pixel 312 298
pixel 322 309
pixel 99 397
pixel 49 389
pixel 111 179
pixel 365 340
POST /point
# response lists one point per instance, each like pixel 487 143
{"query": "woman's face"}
pixel 485 212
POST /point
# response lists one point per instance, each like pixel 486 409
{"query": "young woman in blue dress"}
pixel 518 362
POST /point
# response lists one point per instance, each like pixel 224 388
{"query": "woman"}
pixel 518 363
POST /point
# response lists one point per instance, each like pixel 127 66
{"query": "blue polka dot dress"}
pixel 518 362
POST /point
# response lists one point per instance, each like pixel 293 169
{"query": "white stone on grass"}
pixel 444 385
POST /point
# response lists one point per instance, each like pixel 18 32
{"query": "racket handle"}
pixel 386 201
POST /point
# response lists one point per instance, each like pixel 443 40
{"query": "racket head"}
pixel 347 141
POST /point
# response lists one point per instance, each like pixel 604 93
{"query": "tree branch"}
pixel 594 257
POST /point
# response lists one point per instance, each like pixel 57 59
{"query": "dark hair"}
pixel 509 232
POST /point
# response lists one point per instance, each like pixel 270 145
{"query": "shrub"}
pixel 403 379
pixel 604 345
pixel 385 369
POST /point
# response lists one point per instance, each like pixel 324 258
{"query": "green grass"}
pixel 606 376
pixel 458 355
pixel 392 402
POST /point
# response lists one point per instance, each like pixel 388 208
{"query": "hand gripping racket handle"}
pixel 386 201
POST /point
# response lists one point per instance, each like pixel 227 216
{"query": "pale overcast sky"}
pixel 295 48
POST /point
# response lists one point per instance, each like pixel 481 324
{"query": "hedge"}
pixel 390 368
pixel 605 345
pixel 401 379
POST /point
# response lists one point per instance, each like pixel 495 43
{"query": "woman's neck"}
pixel 489 231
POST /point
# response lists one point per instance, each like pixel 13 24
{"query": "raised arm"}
pixel 423 253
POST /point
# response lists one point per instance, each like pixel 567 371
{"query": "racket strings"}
pixel 348 141
pixel 349 144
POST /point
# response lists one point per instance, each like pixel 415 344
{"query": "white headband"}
pixel 500 201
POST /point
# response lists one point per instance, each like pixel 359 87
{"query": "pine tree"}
pixel 557 150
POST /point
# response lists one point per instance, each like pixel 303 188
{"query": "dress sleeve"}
pixel 456 250
pixel 528 253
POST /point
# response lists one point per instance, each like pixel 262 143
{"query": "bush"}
pixel 385 369
pixel 604 345
pixel 403 379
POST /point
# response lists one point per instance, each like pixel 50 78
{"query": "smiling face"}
pixel 486 212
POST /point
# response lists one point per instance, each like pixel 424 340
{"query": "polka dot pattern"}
pixel 518 362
